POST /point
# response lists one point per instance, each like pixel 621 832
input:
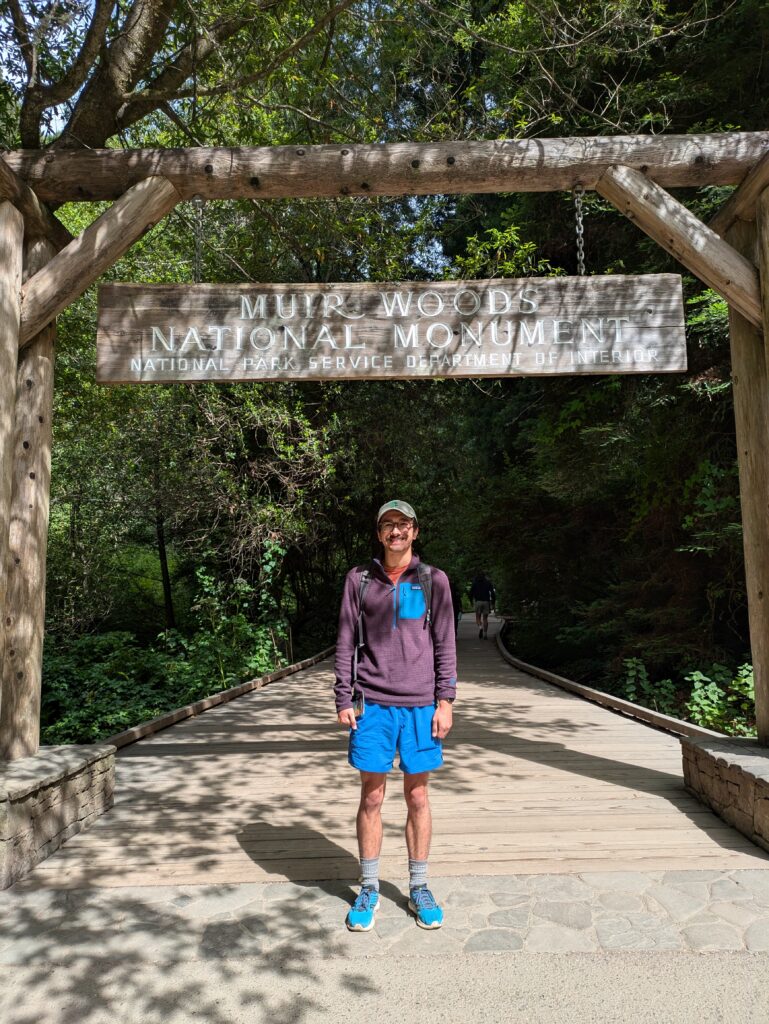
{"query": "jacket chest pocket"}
pixel 411 601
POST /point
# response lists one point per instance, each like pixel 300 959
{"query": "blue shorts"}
pixel 382 730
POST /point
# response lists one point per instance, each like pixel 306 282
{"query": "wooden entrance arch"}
pixel 43 269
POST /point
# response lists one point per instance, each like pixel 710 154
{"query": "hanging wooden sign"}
pixel 499 328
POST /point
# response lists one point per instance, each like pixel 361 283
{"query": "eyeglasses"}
pixel 404 525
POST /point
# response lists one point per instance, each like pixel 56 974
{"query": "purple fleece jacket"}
pixel 404 662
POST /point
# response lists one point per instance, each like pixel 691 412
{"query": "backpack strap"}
pixel 425 574
pixel 359 640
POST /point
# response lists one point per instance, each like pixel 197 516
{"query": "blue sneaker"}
pixel 361 915
pixel 422 903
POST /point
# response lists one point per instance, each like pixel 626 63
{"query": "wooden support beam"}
pixel 39 222
pixel 392 169
pixel 23 603
pixel 11 248
pixel 756 530
pixel 684 236
pixel 69 273
pixel 741 205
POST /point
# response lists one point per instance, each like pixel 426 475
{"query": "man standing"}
pixel 395 686
pixel 482 594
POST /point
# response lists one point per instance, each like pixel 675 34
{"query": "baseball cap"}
pixel 396 506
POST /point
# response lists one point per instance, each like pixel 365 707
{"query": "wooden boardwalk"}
pixel 537 780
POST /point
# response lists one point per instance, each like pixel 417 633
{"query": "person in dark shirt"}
pixel 483 596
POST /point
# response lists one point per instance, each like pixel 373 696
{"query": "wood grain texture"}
pixel 39 222
pixel 758 418
pixel 77 266
pixel 741 205
pixel 11 248
pixel 570 325
pixel 536 780
pixel 750 387
pixel 685 237
pixel 395 169
pixel 23 608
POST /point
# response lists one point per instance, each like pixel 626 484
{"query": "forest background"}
pixel 200 534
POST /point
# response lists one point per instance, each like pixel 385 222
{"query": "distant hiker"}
pixel 396 679
pixel 483 595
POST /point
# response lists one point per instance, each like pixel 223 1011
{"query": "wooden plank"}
pixel 576 788
pixel 390 869
pixel 77 266
pixel 741 205
pixel 11 248
pixel 23 610
pixel 685 237
pixel 513 327
pixel 338 829
pixel 155 725
pixel 750 387
pixel 39 222
pixel 394 169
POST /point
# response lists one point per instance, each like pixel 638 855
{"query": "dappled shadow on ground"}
pixel 335 860
pixel 262 785
pixel 155 955
pixel 264 781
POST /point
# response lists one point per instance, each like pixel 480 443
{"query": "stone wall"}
pixel 47 798
pixel 731 776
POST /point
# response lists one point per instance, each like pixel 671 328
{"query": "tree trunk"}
pixel 163 556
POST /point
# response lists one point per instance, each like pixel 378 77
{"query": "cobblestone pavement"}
pixel 700 911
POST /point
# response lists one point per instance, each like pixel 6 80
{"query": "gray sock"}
pixel 417 873
pixel 369 872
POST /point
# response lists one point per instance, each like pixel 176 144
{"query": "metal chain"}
pixel 578 193
pixel 198 202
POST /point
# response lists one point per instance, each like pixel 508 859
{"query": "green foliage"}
pixel 606 510
pixel 227 645
pixel 637 687
pixel 99 685
pixel 718 698
pixel 501 253
pixel 95 686
pixel 723 700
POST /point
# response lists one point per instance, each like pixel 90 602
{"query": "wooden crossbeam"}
pixel 741 205
pixel 39 222
pixel 684 236
pixel 77 266
pixel 272 172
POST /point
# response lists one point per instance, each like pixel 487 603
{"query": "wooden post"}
pixel 750 388
pixel 762 677
pixel 11 242
pixel 23 608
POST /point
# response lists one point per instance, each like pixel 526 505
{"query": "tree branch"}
pixel 58 92
pixel 40 96
pixel 149 99
pixel 97 112
pixel 166 85
pixel 21 31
